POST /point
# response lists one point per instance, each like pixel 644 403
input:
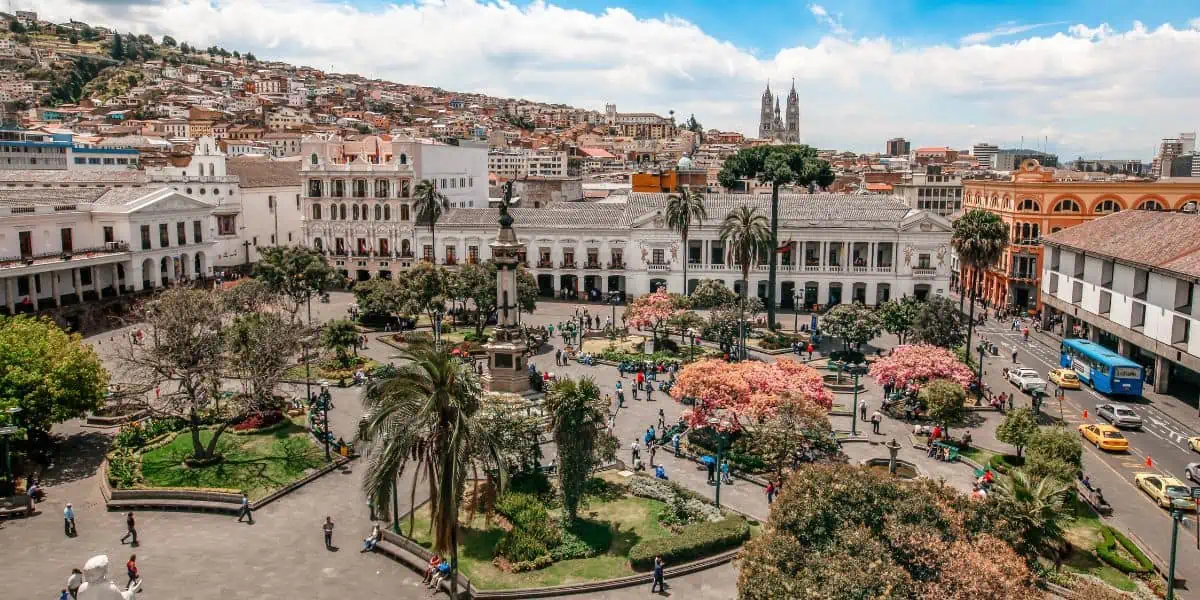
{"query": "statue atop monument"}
pixel 97 585
pixel 506 220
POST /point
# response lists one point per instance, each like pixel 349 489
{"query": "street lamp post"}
pixel 305 349
pixel 795 313
pixel 1176 517
pixel 325 400
pixel 856 370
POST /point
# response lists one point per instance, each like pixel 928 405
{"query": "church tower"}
pixel 766 116
pixel 792 135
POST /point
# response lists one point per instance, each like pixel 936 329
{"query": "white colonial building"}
pixel 63 246
pixel 835 248
pixel 1128 281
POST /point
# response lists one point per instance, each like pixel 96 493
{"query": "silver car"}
pixel 1119 415
pixel 1192 472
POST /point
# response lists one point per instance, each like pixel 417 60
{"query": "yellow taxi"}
pixel 1194 444
pixel 1104 437
pixel 1167 492
pixel 1064 378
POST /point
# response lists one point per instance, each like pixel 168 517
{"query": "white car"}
pixel 1027 380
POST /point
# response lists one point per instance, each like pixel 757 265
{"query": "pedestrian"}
pixel 653 450
pixel 1025 332
pixel 130 530
pixel 649 393
pixel 64 595
pixel 634 450
pixel 131 569
pixel 876 419
pixel 635 392
pixel 557 356
pixel 328 529
pixel 675 443
pixel 74 581
pixel 69 521
pixel 641 379
pixel 244 511
pixel 662 419
pixel 810 350
pixel 862 409
pixel 612 422
pixel 712 469
pixel 770 492
pixel 1014 356
pixel 659 580
pixel 620 398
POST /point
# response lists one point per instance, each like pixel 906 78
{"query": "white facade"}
pixel 65 246
pixel 459 172
pixel 933 190
pixel 526 163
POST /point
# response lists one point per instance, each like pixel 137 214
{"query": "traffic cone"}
pixel 1149 462
pixel 1085 414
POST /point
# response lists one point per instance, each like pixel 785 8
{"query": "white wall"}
pixel 467 162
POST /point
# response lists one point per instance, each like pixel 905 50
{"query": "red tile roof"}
pixel 1163 240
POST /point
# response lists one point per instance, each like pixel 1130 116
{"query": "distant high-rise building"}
pixel 1170 148
pixel 771 123
pixel 898 147
pixel 985 154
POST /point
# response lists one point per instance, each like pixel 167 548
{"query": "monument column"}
pixel 506 350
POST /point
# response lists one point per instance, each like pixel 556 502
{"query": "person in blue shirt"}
pixel 659 581
pixel 660 472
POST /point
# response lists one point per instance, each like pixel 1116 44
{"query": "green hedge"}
pixel 1106 549
pixel 533 534
pixel 1003 463
pixel 692 542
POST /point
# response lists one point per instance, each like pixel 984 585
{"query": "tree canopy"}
pixel 51 375
pixel 577 417
pixel 938 322
pixel 913 366
pixel 746 391
pixel 899 315
pixel 854 323
pixel 711 293
pixel 295 273
pixel 1018 428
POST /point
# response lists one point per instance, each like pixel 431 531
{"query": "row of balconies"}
pixel 29 258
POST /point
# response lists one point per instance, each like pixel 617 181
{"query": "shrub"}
pixel 850 356
pixel 124 468
pixel 684 506
pixel 604 489
pixel 1003 463
pixel 414 337
pixel 136 435
pixel 532 534
pixel 518 545
pixel 540 562
pixel 534 483
pixel 1106 549
pixel 574 546
pixel 479 339
pixel 694 541
pixel 259 420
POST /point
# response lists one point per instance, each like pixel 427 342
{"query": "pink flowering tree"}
pixel 652 311
pixel 914 366
pixel 735 394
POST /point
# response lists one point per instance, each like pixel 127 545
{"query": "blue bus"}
pixel 1104 370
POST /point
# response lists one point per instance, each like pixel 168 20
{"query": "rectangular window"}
pixel 923 261
pixel 227 225
pixel 145 237
pixel 658 257
pixel 164 236
pixel 108 234
pixel 85 276
pixel 473 254
pixel 1138 318
pixel 197 232
pixel 427 253
pixel 181 233
pixel 26 240
pixel 450 259
pixel 1105 302
pixel 271 204
pixel 67 243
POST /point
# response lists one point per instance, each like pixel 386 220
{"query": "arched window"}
pixel 1107 206
pixel 404 212
pixel 1055 229
pixel 403 158
pixel 313 158
pixel 1066 206
pixel 343 211
pixel 378 212
pixel 212 170
pixel 317 212
pixel 387 212
pixel 1029 205
pixel 318 244
pixel 1150 205
pixel 405 248
pixel 365 212
pixel 355 210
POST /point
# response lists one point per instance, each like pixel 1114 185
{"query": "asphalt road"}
pixel 1162 441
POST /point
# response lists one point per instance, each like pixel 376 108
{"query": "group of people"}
pixel 798 348
pixel 75 580
pixel 437 572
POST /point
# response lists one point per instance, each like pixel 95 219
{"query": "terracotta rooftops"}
pixel 1164 240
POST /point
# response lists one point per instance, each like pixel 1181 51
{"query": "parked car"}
pixel 1167 492
pixel 1027 380
pixel 1192 472
pixel 1119 415
pixel 1194 444
pixel 1066 379
pixel 1104 437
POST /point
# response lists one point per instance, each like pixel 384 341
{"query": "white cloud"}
pixel 1005 30
pixel 832 21
pixel 1092 89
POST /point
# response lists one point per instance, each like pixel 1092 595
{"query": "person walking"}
pixel 69 521
pixel 770 492
pixel 74 581
pixel 1014 356
pixel 662 420
pixel 641 380
pixel 862 409
pixel 244 511
pixel 132 570
pixel 130 530
pixel 653 450
pixel 634 450
pixel 327 527
pixel 649 393
pixel 557 357
pixel 659 580
pixel 675 443
pixel 810 350
pixel 876 419
pixel 635 390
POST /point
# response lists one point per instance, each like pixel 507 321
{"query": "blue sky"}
pixel 1096 78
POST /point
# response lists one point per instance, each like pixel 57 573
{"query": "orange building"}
pixel 1033 203
pixel 666 182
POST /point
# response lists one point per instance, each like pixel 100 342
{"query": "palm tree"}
pixel 746 234
pixel 684 209
pixel 979 239
pixel 426 416
pixel 1037 509
pixel 577 418
pixel 429 203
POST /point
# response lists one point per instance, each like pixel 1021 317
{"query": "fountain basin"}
pixel 904 469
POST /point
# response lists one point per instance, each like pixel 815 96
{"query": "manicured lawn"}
pixel 633 343
pixel 256 463
pixel 1083 533
pixel 618 524
pixel 323 369
pixel 978 455
pixel 458 337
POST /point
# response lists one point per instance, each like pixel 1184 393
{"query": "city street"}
pixel 1163 441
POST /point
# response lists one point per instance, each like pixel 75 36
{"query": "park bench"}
pixel 1089 496
pixel 19 505
pixel 953 450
